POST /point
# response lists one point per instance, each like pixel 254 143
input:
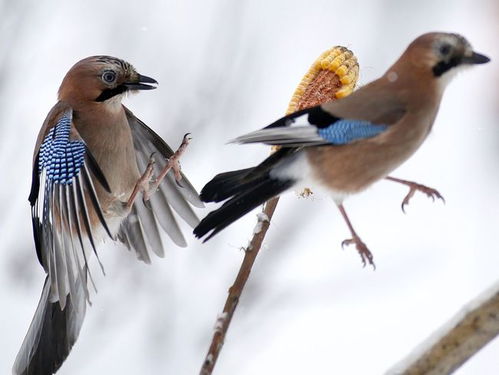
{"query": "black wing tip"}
pixel 35 182
pixel 106 186
pixel 37 234
pixel 95 202
pixel 97 172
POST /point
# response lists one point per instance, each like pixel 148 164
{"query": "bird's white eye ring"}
pixel 109 76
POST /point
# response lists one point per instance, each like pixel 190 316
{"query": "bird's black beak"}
pixel 141 83
pixel 475 58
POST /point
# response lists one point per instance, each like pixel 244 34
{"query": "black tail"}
pixel 249 196
pixel 51 334
pixel 228 184
pixel 225 185
pixel 246 188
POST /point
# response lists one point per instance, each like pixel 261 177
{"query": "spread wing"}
pixel 66 215
pixel 313 127
pixel 65 208
pixel 140 229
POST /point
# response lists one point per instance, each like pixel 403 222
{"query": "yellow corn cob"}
pixel 332 76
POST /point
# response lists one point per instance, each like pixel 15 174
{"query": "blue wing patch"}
pixel 61 158
pixel 345 131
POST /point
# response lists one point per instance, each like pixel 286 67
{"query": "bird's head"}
pixel 102 79
pixel 438 55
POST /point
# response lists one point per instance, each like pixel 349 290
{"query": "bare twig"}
pixel 333 75
pixel 475 326
pixel 236 289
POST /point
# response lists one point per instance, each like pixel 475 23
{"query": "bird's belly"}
pixel 113 150
pixel 350 169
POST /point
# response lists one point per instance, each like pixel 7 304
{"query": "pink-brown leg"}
pixel 413 187
pixel 173 164
pixel 365 255
pixel 142 185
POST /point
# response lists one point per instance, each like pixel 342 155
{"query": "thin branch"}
pixel 333 75
pixel 236 289
pixel 469 331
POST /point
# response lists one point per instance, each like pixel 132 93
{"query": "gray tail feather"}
pixel 52 333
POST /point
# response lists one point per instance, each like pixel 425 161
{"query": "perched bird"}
pixel 91 161
pixel 346 145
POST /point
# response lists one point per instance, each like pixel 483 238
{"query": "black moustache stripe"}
pixel 444 66
pixel 109 93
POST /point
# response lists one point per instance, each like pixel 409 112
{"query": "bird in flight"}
pixel 92 160
pixel 344 146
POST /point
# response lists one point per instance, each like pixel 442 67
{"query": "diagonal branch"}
pixel 235 291
pixel 333 75
pixel 461 338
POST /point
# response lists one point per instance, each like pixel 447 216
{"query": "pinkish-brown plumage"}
pixel 89 157
pixel 346 145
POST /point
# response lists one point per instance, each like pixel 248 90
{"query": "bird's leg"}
pixel 173 164
pixel 142 185
pixel 413 187
pixel 361 247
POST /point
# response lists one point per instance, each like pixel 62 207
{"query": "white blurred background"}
pixel 225 68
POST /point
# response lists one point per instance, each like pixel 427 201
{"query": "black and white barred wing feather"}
pixel 64 207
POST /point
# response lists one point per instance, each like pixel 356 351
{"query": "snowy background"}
pixel 225 68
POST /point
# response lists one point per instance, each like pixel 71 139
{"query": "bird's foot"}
pixel 146 179
pixel 365 255
pixel 414 187
pixel 173 164
pixel 143 184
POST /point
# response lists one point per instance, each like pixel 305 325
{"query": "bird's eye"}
pixel 445 49
pixel 109 76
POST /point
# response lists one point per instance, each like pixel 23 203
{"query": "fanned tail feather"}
pixel 52 333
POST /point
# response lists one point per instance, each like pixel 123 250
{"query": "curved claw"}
pixel 365 255
pixel 346 243
pixel 147 202
pixel 428 191
pixel 407 199
pixel 179 183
